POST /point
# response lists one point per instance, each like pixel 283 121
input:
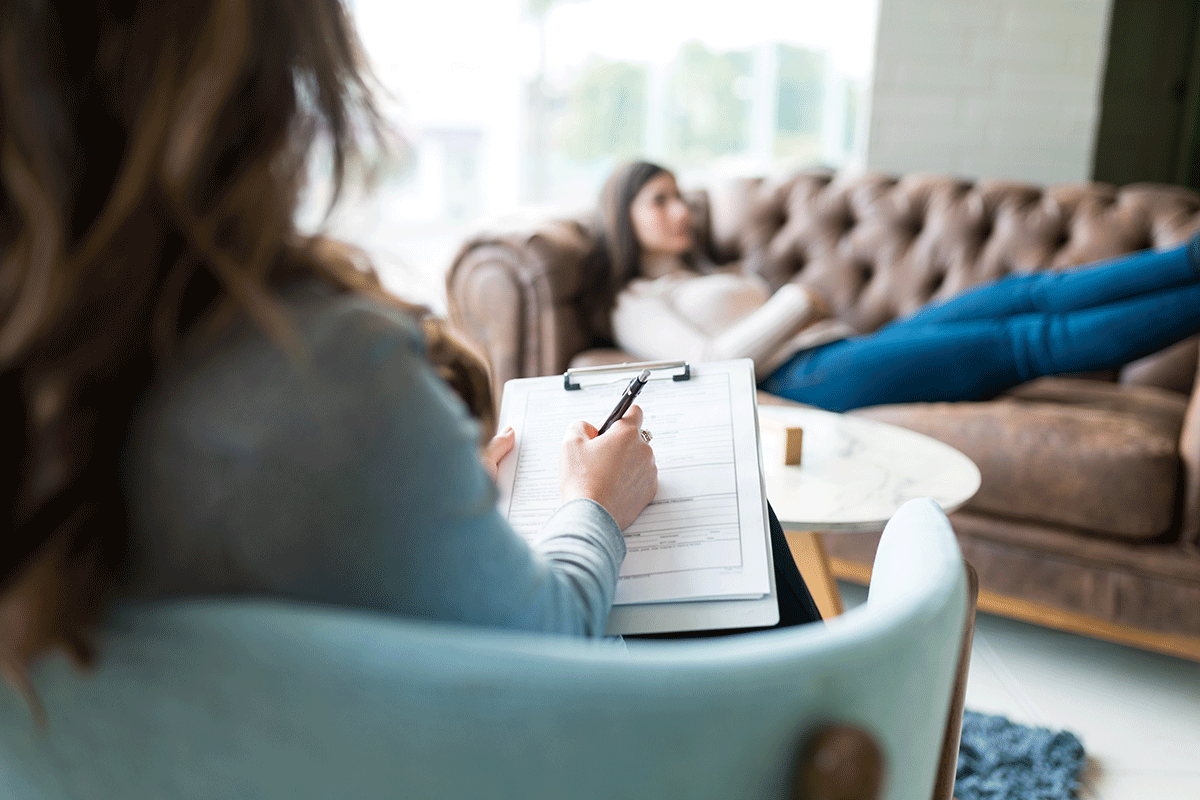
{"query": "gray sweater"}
pixel 353 479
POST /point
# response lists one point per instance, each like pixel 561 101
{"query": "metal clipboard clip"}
pixel 628 366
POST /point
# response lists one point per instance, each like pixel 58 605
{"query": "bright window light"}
pixel 516 110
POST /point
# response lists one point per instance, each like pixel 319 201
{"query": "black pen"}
pixel 631 391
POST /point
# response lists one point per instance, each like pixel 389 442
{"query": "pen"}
pixel 631 391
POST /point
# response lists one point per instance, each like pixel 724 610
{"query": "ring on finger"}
pixel 647 435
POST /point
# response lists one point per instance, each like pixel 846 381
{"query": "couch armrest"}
pixel 1189 454
pixel 520 299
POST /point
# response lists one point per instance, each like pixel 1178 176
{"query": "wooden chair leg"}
pixel 808 550
pixel 943 788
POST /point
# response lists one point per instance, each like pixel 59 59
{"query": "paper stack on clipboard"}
pixel 699 555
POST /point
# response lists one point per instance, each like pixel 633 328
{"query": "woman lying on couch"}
pixel 671 304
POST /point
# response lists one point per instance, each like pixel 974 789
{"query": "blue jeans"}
pixel 1001 334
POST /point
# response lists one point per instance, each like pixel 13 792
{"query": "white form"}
pixel 705 534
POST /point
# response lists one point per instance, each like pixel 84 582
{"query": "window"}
pixel 518 109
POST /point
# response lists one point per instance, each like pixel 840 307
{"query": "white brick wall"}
pixel 988 88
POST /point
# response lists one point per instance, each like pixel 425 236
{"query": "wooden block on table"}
pixel 793 440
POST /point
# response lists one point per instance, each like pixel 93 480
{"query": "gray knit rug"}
pixel 1001 760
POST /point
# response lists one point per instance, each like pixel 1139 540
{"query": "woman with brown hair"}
pixel 668 303
pixel 196 398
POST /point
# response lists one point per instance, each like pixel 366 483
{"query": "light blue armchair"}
pixel 238 699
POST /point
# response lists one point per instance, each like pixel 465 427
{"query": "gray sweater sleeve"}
pixel 353 479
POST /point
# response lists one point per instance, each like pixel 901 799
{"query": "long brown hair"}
pixel 618 244
pixel 151 156
pixel 618 240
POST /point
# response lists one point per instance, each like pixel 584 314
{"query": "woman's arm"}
pixel 441 548
pixel 354 479
pixel 650 325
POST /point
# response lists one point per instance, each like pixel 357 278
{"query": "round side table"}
pixel 854 473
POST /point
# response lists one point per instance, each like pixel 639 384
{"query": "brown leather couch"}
pixel 1088 518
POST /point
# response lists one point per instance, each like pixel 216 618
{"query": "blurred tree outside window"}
pixel 800 91
pixel 708 104
pixel 603 113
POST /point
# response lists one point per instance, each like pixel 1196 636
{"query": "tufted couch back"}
pixel 882 247
pixel 878 246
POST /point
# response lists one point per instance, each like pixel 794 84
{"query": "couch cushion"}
pixel 1173 368
pixel 1107 470
pixel 1146 585
pixel 1166 406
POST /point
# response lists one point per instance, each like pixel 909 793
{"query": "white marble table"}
pixel 854 473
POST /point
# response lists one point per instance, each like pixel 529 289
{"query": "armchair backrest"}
pixel 255 699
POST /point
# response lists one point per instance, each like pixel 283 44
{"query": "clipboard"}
pixel 699 557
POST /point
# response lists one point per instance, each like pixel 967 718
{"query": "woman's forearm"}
pixel 762 332
pixel 650 326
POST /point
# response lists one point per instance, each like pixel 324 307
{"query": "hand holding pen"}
pixel 616 470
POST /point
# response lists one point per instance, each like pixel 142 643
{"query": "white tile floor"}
pixel 1137 713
